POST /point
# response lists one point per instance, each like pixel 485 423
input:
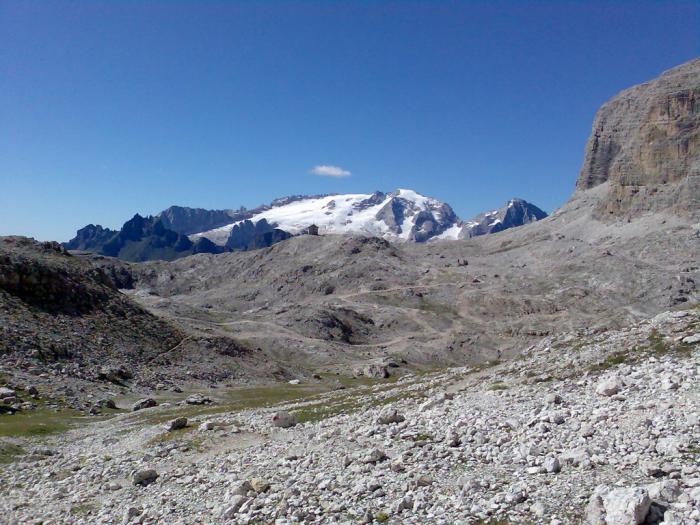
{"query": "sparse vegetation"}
pixel 39 422
pixel 611 361
pixel 9 452
pixel 83 509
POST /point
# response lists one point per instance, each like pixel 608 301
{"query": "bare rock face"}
pixel 646 144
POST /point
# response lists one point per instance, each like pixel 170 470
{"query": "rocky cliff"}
pixel 186 220
pixel 645 145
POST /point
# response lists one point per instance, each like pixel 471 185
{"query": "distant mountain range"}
pixel 402 215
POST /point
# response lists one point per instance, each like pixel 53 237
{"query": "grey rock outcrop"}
pixel 186 221
pixel 645 145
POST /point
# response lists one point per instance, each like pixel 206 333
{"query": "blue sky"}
pixel 112 108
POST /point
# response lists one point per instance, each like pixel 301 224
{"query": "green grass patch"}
pixel 37 423
pixel 236 400
pixel 351 401
pixel 498 385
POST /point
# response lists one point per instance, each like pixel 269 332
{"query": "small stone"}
pixel 538 509
pixel 375 456
pixel 207 425
pixel 552 399
pixel 587 430
pixel 233 507
pixel 131 513
pixel 551 465
pixel 259 485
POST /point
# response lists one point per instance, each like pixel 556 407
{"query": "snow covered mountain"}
pixel 516 212
pixel 400 215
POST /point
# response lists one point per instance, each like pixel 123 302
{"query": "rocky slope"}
pixel 645 146
pixel 598 428
pixel 69 336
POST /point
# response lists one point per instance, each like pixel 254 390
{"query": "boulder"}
pixel 595 510
pixel 233 507
pixel 144 403
pixel 7 392
pixel 692 339
pixel 177 424
pixel 198 399
pixel 389 416
pixel 375 456
pixel 626 506
pixel 609 387
pixel 284 419
pixel 373 371
pixel 242 489
pixel 116 375
pixel 664 492
pixel 107 403
pixel 145 477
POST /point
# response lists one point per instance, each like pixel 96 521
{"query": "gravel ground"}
pixel 586 427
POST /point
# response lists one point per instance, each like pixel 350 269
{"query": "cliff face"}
pixel 645 143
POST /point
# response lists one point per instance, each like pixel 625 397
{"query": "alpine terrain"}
pixel 401 366
pixel 403 215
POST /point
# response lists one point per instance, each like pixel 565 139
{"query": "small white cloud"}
pixel 329 171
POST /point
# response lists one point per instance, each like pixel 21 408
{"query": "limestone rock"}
pixel 284 419
pixel 145 477
pixel 645 144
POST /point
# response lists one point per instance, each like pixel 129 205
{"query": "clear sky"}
pixel 117 107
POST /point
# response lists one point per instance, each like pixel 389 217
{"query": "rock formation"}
pixel 645 145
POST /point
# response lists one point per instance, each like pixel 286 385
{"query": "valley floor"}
pixel 599 428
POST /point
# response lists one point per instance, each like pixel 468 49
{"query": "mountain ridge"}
pixel 403 215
